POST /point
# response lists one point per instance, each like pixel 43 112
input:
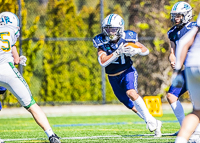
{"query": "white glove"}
pixel 120 49
pixel 130 51
pixel 22 60
pixel 177 80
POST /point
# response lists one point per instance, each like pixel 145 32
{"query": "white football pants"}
pixel 11 79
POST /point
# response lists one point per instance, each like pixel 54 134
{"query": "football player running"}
pixel 188 53
pixel 10 77
pixel 115 56
pixel 181 14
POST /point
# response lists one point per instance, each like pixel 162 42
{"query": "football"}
pixel 132 45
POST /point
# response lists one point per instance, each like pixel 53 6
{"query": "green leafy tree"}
pixel 70 71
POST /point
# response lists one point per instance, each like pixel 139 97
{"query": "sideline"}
pixel 83 110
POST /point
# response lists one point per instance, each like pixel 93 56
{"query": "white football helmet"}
pixel 181 9
pixel 113 27
pixel 9 18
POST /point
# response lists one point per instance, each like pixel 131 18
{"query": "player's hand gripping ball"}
pixel 131 49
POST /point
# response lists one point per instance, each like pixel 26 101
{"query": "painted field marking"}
pixel 97 137
pixel 100 124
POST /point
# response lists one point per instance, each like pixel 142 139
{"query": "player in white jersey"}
pixel 10 77
pixel 188 53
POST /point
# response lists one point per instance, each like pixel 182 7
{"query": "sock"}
pixel 180 140
pixel 49 132
pixel 197 130
pixel 139 114
pixel 178 111
pixel 142 109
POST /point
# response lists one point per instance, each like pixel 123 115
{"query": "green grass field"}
pixel 88 129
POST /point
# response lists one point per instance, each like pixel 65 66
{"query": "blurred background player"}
pixel 188 53
pixel 10 77
pixel 181 14
pixel 115 56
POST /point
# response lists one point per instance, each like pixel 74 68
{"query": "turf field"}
pixel 88 129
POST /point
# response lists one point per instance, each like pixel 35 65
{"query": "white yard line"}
pixel 99 137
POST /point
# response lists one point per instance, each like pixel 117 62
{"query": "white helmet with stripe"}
pixel 181 9
pixel 113 27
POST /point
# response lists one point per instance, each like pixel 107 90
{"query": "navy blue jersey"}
pixel 123 62
pixel 174 34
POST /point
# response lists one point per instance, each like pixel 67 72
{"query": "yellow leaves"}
pixel 168 7
pixel 142 3
pixel 6 1
pixel 143 26
pixel 163 31
pixel 37 18
pixel 158 44
pixel 164 15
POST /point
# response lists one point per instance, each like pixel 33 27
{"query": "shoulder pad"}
pixel 190 25
pixel 99 40
pixel 194 24
pixel 130 36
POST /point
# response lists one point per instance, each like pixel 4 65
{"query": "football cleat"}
pixel 151 126
pixel 54 139
pixel 155 126
pixel 1 141
pixel 194 138
pixel 158 129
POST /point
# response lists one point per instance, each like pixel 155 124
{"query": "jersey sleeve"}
pixel 131 36
pixel 15 34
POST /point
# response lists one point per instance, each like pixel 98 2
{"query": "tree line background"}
pixel 63 70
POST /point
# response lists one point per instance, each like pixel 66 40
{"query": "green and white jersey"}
pixel 8 38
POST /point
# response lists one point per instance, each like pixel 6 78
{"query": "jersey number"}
pixel 122 60
pixel 5 43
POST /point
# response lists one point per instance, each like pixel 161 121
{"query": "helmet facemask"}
pixel 184 18
pixel 174 17
pixel 113 33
